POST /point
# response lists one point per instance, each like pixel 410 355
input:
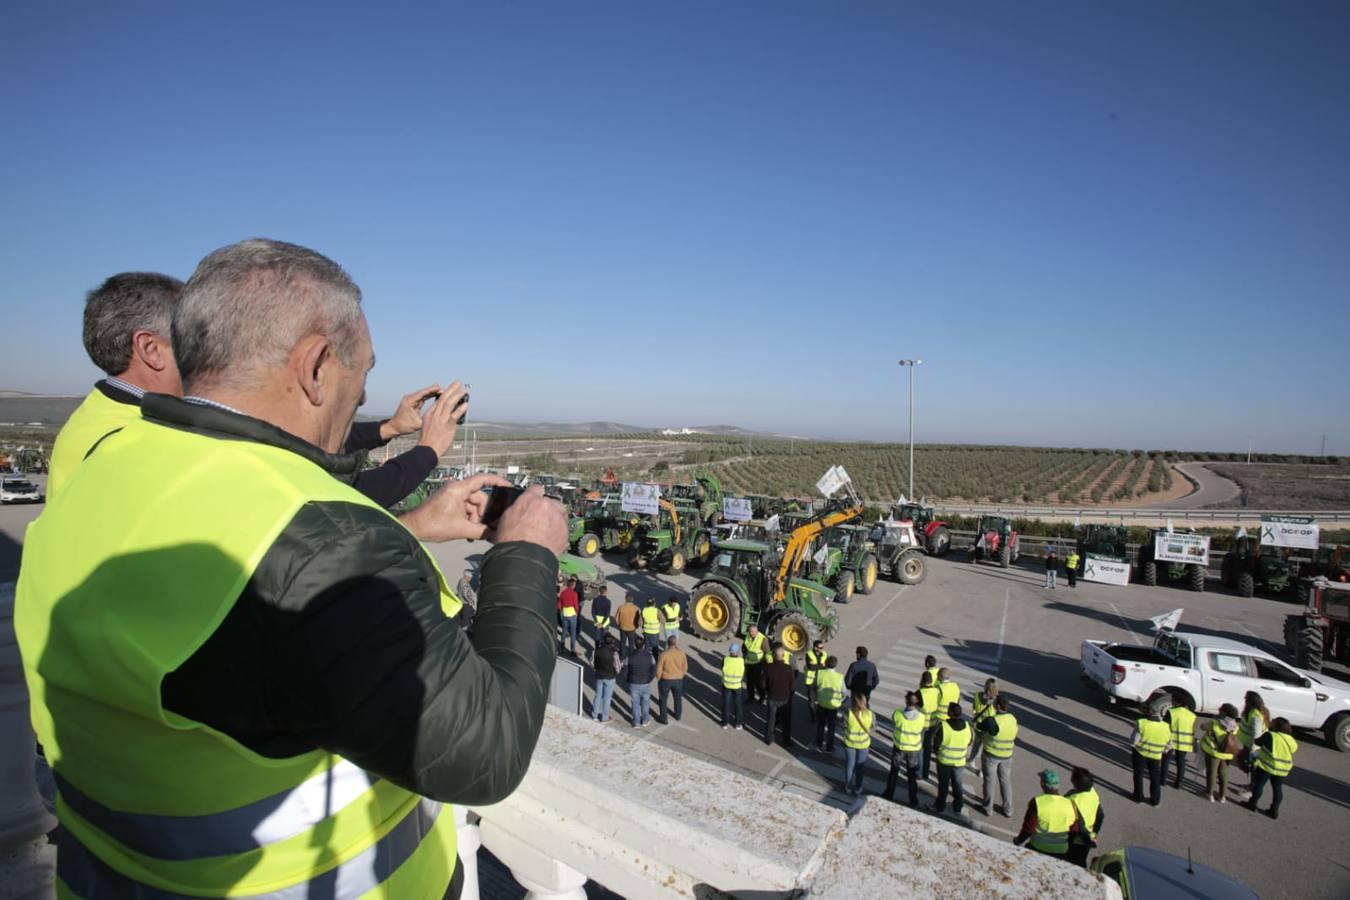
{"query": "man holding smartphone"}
pixel 248 676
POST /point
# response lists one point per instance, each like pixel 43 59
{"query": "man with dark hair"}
pixel 246 655
pixel 780 682
pixel 126 334
pixel 862 676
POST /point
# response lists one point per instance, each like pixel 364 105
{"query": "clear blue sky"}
pixel 1123 225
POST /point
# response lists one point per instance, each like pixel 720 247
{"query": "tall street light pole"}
pixel 911 363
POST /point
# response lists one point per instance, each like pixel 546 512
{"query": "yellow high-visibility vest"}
pixel 1153 737
pixel 1087 803
pixel 1054 817
pixel 858 733
pixel 928 702
pixel 814 662
pixel 672 611
pixel 906 733
pixel 1182 721
pixel 733 672
pixel 1000 746
pixel 754 649
pixel 1279 759
pixel 955 744
pixel 830 689
pixel 651 620
pixel 98 415
pixel 1212 741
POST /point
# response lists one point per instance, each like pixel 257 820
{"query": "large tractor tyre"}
pixel 1195 577
pixel 1148 573
pixel 1303 592
pixel 714 612
pixel 940 541
pixel 795 632
pixel 588 545
pixel 702 548
pixel 867 574
pixel 1004 556
pixel 1246 584
pixel 1291 627
pixel 911 567
pixel 843 591
pixel 675 565
pixel 1310 646
pixel 1226 571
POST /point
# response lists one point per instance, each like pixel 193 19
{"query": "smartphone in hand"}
pixel 499 498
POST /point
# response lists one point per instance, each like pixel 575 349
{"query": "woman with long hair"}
pixel 1255 722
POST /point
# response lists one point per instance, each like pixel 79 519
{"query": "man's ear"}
pixel 310 359
pixel 152 349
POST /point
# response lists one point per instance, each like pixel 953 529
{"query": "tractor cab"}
pixel 995 540
pixel 1250 565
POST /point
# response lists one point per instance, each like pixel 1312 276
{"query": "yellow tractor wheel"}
pixel 794 632
pixel 869 576
pixel 588 546
pixel 715 612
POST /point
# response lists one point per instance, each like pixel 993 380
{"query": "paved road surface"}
pixel 1214 489
pixel 984 621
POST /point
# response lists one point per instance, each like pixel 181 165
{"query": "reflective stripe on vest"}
pixel 830 689
pixel 569 612
pixel 151 802
pixel 1153 738
pixel 952 750
pixel 858 733
pixel 1278 760
pixel 754 649
pixel 814 662
pixel 602 621
pixel 1087 803
pixel 1213 740
pixel 906 733
pixel 733 672
pixel 1054 817
pixel 928 702
pixel 948 692
pixel 1182 721
pixel 651 621
pixel 1000 746
pixel 672 611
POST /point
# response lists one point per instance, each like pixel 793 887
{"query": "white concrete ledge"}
pixel 648 821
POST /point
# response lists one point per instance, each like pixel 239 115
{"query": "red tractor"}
pixel 935 536
pixel 995 540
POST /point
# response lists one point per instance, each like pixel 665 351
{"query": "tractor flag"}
pixel 1300 532
pixel 641 498
pixel 1167 621
pixel 834 478
pixel 772 523
pixel 820 556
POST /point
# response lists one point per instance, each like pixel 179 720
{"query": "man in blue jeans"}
pixel 606 661
pixel 638 672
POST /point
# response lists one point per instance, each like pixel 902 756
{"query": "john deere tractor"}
pixel 1149 570
pixel 995 540
pixel 705 494
pixel 935 535
pixel 1106 541
pixel 1249 566
pixel 603 526
pixel 671 540
pixel 584 571
pixel 846 562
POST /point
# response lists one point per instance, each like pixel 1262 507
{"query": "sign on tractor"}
pixel 737 509
pixel 1105 571
pixel 1190 549
pixel 1301 532
pixel 641 498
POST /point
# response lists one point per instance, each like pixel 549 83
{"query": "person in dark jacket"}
pixel 606 661
pixel 331 636
pixel 862 676
pixel 601 612
pixel 639 670
pixel 780 682
pixel 396 478
pixel 1051 566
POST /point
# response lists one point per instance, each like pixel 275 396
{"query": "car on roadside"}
pixel 1143 873
pixel 19 490
pixel 1210 671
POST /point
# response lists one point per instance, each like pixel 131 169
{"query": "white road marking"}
pixel 782 764
pixel 1134 637
pixel 1246 629
pixel 1002 628
pixel 885 607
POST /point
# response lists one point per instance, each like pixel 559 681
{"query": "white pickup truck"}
pixel 1211 671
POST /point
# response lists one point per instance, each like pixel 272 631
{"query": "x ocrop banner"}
pixel 1192 549
pixel 736 509
pixel 1300 532
pixel 1105 570
pixel 641 498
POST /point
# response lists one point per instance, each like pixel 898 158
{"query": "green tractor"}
pixel 671 540
pixel 1250 565
pixel 743 588
pixel 602 526
pixel 1107 541
pixel 845 562
pixel 1149 569
pixel 584 571
pixel 705 494
pixel 995 540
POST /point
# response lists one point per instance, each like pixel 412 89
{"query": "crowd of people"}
pixel 931 737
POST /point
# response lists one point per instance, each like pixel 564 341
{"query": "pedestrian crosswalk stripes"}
pixel 903 664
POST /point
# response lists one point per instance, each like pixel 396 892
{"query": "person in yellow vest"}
pixel 929 697
pixel 907 730
pixel 756 658
pixel 1181 720
pixel 248 676
pixel 1071 567
pixel 1051 821
pixel 981 708
pixel 126 334
pixel 1151 738
pixel 829 697
pixel 1255 721
pixel 951 745
pixel 1274 761
pixel 733 687
pixel 1219 743
pixel 949 691
pixel 670 618
pixel 931 667
pixel 998 734
pixel 653 624
pixel 857 742
pixel 815 661
pixel 1088 803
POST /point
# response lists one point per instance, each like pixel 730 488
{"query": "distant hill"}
pixel 21 408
